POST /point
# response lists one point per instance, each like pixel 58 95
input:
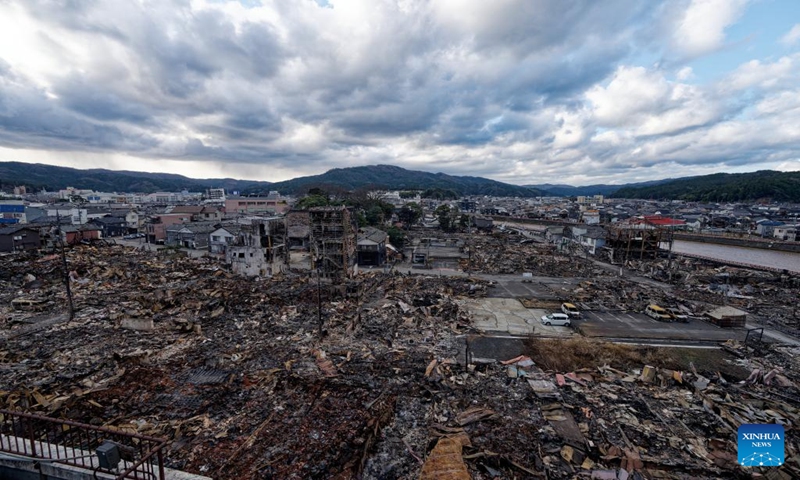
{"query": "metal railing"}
pixel 45 439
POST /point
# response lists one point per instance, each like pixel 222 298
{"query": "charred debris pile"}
pixel 770 297
pixel 503 253
pixel 235 374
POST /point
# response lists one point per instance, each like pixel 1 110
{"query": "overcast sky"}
pixel 527 91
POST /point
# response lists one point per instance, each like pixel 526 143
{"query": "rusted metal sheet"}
pixel 445 462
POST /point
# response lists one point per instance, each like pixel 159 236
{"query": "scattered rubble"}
pixel 501 253
pixel 768 296
pixel 236 374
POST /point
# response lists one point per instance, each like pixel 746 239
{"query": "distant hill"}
pixel 723 187
pixel 599 189
pixel 396 178
pixel 40 176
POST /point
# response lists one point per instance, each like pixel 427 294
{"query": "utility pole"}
pixel 64 267
pixel 358 301
pixel 671 234
pixel 467 353
pixel 319 299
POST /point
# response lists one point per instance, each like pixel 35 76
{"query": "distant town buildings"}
pixel 216 195
pixel 256 234
pixel 272 204
pixel 594 199
pixel 12 212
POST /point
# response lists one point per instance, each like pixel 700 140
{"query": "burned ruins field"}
pixel 234 373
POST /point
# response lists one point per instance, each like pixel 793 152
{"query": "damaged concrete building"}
pixel 190 235
pixel 298 229
pixel 439 253
pixel 259 248
pixel 333 241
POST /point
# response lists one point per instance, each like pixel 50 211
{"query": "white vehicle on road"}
pixel 558 319
pixel 570 310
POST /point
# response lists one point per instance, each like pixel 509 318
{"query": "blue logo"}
pixel 760 445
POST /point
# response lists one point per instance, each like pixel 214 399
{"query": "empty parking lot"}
pixel 637 325
pixel 542 288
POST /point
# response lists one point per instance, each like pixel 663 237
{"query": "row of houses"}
pixel 22 238
pixel 261 245
pixel 778 230
pixel 633 231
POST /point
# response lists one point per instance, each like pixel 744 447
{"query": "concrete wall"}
pixel 248 261
pixel 740 242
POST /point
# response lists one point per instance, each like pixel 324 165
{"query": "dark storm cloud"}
pixel 503 86
pixel 28 118
pixel 101 103
pixel 385 91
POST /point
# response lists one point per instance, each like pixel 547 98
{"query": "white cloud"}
pixel 631 92
pixel 756 73
pixel 792 36
pixel 514 90
pixel 571 132
pixel 684 73
pixel 701 29
pixel 781 102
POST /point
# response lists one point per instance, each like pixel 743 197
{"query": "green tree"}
pixel 387 209
pixel 443 212
pixel 313 201
pixel 374 215
pixel 410 213
pixel 397 237
pixel 361 219
pixel 440 194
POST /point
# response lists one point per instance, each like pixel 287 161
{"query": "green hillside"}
pixel 396 178
pixel 38 176
pixel 723 187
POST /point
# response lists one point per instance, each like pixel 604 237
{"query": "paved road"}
pixel 775 335
pixel 639 326
pixel 508 289
pixel 509 316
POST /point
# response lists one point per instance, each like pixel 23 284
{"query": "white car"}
pixel 570 310
pixel 558 319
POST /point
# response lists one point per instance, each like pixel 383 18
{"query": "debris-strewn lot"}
pixel 234 372
pixel 501 253
pixel 770 297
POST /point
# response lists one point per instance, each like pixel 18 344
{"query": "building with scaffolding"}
pixel 637 239
pixel 332 241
